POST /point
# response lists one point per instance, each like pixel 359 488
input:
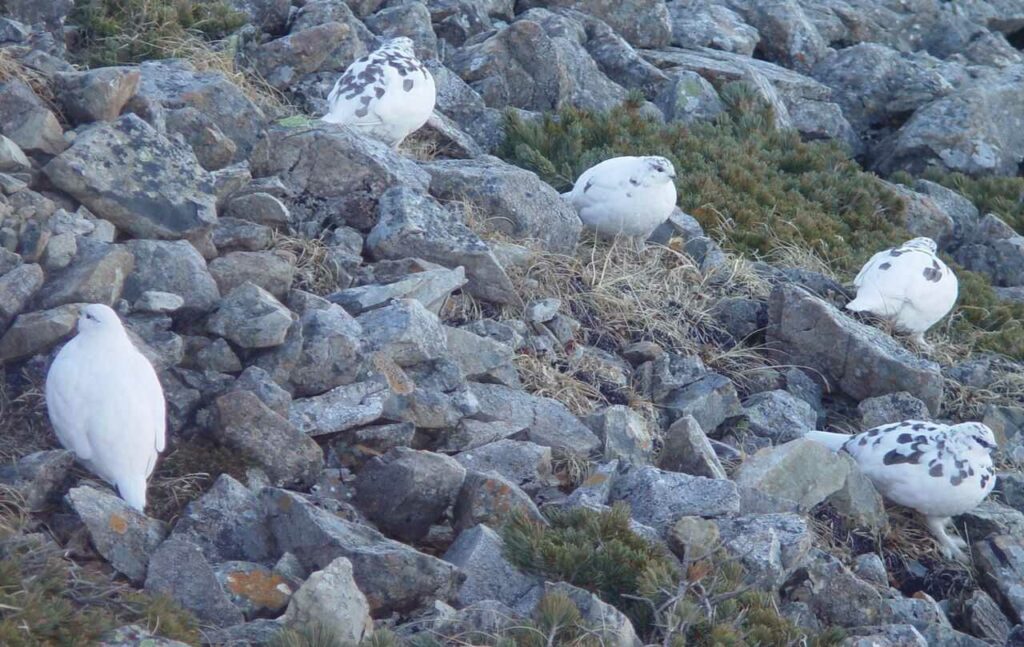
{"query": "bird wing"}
pixel 66 400
pixel 608 179
pixel 152 393
pixel 869 267
pixel 358 81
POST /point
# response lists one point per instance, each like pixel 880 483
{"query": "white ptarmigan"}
pixel 106 404
pixel 625 195
pixel 909 285
pixel 939 470
pixel 387 94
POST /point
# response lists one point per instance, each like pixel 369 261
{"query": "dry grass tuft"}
pixel 314 270
pixel 12 68
pixel 24 425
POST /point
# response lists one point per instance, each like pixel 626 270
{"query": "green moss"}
pixel 1003 196
pixel 983 321
pixel 113 32
pixel 47 600
pixel 758 186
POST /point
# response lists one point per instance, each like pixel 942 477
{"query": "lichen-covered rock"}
pixel 770 546
pixel 779 416
pixel 479 552
pixel 255 589
pixel 547 422
pixel 644 23
pixel 26 120
pixel 97 274
pixel 704 23
pixel 158 191
pixel 890 408
pixel 658 498
pixel 526 464
pixel 802 471
pixel 490 498
pixel 272 271
pixel 36 332
pixel 175 267
pixel 125 537
pixel 283 61
pixel 251 317
pixel 614 628
pixel 625 434
pixel 404 331
pixel 17 287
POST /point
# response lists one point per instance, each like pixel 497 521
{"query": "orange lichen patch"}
pixel 118 524
pixel 264 589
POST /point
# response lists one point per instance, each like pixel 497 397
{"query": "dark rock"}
pixel 179 571
pixel 657 498
pixel 98 94
pixel 175 267
pixel 227 523
pixel 479 552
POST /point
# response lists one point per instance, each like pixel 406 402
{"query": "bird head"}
pixel 979 432
pixel 923 243
pixel 402 44
pixel 660 170
pixel 98 318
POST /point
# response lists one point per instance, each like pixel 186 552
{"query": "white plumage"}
pixel 387 94
pixel 106 404
pixel 625 195
pixel 909 285
pixel 939 470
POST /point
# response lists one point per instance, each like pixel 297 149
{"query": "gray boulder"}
pixel 36 332
pixel 644 23
pixel 179 571
pixel 272 271
pixel 856 359
pixel 285 454
pixel 405 332
pixel 227 523
pixel 658 498
pixel 479 552
pixel 890 408
pixel 26 120
pixel 160 191
pixel 547 422
pixel 778 416
pixel 175 267
pixel 98 94
pixel 393 576
pixel 125 537
pixel 405 491
pixel 341 408
pixel 330 598
pixel 614 628
pixel 974 131
pixel 412 224
pixel 333 175
pixel 525 464
pixel 96 275
pixel 802 471
pixel 17 287
pixel 251 317
pixel 705 23
pixel 490 498
pixel 507 199
pixel 770 546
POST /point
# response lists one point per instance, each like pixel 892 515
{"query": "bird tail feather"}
pixel 831 440
pixel 133 491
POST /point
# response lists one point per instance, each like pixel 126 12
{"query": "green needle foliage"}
pixel 758 186
pixel 113 32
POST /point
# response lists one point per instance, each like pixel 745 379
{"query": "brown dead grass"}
pixel 314 271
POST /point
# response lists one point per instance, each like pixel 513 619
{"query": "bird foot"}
pixel 951 546
pixel 920 342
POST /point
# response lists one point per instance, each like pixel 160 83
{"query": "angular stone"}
pixel 547 422
pixel 431 288
pixel 856 359
pixel 26 120
pixel 329 598
pixel 179 571
pixel 175 83
pixel 411 224
pixel 254 589
pixel 283 61
pixel 96 275
pixel 835 595
pixel 245 424
pixel 405 491
pixel 272 271
pixel 710 400
pixel 687 449
pixel 625 434
pixel 693 538
pixel 689 98
pixel 482 359
pixel 251 317
pixel 394 577
pixel 803 471
pixel 858 501
pixel 336 175
pixel 779 416
pixel 770 546
pixel 237 234
pixel 889 408
pixel 36 332
pixel 490 498
pixel 342 408
pixel 613 627
pixel 121 534
pixel 160 190
pixel 508 200
pixel 260 208
pixel 227 523
pixel 39 477
pixel 135 636
pixel 17 288
pixel 523 463
pixel 405 332
pixel 657 498
pixel 644 23
pixel 98 94
pixel 706 24
pixel 479 552
pixel 175 267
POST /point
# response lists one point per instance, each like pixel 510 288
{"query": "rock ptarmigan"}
pixel 630 196
pixel 939 470
pixel 106 404
pixel 387 94
pixel 909 285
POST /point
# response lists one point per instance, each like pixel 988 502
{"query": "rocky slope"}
pixel 387 372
